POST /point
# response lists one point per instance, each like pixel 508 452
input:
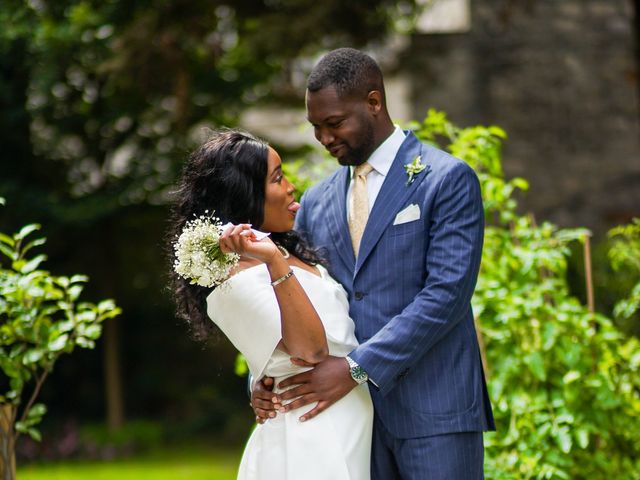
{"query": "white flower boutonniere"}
pixel 414 168
pixel 198 257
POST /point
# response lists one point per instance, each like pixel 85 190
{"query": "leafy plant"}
pixel 625 255
pixel 41 318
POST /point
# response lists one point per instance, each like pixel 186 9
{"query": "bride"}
pixel 279 303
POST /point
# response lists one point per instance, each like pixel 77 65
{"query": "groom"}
pixel 402 224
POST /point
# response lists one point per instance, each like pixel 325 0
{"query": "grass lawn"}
pixel 184 464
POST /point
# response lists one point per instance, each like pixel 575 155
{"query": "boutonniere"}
pixel 414 168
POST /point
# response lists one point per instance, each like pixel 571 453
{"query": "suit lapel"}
pixel 393 194
pixel 337 216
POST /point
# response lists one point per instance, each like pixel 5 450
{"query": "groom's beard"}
pixel 360 153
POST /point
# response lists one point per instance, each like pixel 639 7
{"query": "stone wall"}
pixel 561 78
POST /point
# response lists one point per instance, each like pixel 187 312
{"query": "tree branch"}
pixel 34 395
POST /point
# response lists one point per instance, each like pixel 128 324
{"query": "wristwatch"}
pixel 356 371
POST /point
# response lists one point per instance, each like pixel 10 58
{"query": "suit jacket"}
pixel 410 290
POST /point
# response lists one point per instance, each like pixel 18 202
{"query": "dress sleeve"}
pixel 246 310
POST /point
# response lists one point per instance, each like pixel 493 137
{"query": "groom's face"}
pixel 344 126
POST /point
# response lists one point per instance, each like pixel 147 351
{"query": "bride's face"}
pixel 279 205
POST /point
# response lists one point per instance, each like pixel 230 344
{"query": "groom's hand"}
pixel 327 383
pixel 262 400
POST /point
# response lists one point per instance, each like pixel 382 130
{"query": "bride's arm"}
pixel 303 334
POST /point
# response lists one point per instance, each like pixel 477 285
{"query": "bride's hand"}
pixel 241 240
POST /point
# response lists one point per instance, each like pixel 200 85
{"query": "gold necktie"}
pixel 359 205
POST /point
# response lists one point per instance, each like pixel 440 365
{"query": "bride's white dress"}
pixel 334 445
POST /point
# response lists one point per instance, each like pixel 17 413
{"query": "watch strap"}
pixel 356 371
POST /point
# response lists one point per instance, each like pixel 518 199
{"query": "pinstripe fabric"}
pixel 452 456
pixel 410 291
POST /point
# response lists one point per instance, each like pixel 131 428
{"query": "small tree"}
pixel 41 318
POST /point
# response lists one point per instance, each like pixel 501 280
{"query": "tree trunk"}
pixel 7 443
pixel 113 372
pixel 113 383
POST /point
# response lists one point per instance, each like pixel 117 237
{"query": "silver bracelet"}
pixel 278 281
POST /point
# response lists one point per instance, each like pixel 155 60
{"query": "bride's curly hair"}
pixel 225 176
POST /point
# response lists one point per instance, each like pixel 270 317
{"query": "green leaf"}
pixel 79 279
pixel 59 343
pixel 582 436
pixel 7 240
pixel 535 362
pixel 26 230
pixel 93 332
pixel 564 439
pixel 86 316
pixel 8 251
pixel 84 342
pixel 14 395
pixel 32 356
pixel 106 305
pixel 35 243
pixel 35 434
pixel 75 291
pixel 241 367
pixel 549 333
pixel 571 376
pixel 64 326
pixel 31 265
pixel 565 418
pixel 110 313
pixel 520 183
pixel 37 410
pixel 21 427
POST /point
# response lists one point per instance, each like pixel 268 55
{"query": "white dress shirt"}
pixel 381 160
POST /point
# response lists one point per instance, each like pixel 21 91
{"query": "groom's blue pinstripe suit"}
pixel 410 290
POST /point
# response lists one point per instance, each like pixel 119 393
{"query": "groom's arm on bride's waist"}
pixel 452 261
pixel 326 383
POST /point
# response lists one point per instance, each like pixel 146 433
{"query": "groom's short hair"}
pixel 351 72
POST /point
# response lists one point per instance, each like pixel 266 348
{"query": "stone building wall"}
pixel 561 78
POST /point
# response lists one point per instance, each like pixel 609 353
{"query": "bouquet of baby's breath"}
pixel 198 257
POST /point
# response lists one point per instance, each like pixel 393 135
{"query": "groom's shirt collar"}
pixel 383 156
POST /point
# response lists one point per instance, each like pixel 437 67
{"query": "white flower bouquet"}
pixel 198 257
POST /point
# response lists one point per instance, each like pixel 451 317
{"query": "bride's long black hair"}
pixel 225 176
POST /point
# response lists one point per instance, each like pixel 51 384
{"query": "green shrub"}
pixel 624 254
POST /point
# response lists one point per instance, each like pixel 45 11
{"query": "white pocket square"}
pixel 409 214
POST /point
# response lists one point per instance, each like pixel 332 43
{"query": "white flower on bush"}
pixel 198 257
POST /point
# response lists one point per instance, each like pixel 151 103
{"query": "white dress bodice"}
pixel 336 444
